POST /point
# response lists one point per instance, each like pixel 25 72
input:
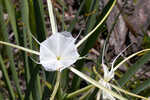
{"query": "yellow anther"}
pixel 58 58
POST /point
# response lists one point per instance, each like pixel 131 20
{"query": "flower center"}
pixel 58 58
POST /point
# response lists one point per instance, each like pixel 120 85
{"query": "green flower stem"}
pixel 95 83
pixel 56 85
pixel 80 91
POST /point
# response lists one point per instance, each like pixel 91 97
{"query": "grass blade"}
pixel 91 37
pixel 78 92
pixel 31 83
pixel 142 87
pixel 109 7
pixel 8 83
pixel 76 80
pixel 133 69
pixel 10 54
pixel 11 13
pixel 39 20
pixel 75 20
pixel 26 31
pixel 1 97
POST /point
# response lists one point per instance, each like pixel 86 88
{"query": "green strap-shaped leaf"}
pixel 9 53
pixel 26 30
pixel 133 69
pixel 7 80
pixel 141 87
pixel 11 13
pixel 36 92
pixel 39 20
pixel 75 20
pixel 91 37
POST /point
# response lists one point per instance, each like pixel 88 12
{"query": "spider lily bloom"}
pixel 108 75
pixel 58 51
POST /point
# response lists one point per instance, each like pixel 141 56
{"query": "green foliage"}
pixel 39 84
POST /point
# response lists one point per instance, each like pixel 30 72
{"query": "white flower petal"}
pixel 50 66
pixel 49 44
pixel 108 75
pixel 67 35
pixel 111 74
pixel 105 95
pixel 67 63
pixel 106 71
pixel 46 54
pixel 66 44
pixel 70 51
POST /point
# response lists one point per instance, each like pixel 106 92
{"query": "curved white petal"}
pixel 50 65
pixel 68 62
pixel 67 35
pixel 108 75
pixel 70 51
pixel 46 45
pixel 105 95
pixel 46 54
pixel 106 71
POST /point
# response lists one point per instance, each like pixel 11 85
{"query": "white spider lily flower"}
pixel 58 51
pixel 108 75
